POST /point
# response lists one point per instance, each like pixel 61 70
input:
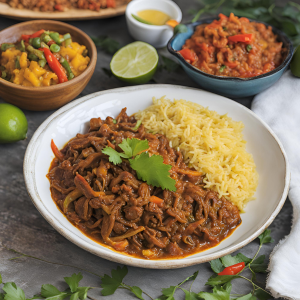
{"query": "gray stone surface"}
pixel 24 229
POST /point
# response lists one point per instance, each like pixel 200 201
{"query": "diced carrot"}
pixel 172 23
pixel 156 200
pixel 56 152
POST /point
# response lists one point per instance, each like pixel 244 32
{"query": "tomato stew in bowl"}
pixel 231 56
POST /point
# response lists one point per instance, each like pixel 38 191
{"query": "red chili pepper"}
pixel 56 152
pixel 37 34
pixel 233 270
pixel 187 54
pixel 25 37
pixel 111 3
pixel 244 38
pixel 54 65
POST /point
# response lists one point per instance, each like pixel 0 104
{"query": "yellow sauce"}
pixel 153 16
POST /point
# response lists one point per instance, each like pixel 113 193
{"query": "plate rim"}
pixel 28 168
pixel 27 14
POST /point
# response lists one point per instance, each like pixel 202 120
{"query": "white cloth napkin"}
pixel 279 106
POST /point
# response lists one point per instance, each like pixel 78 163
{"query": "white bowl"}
pixel 157 36
pixel 269 156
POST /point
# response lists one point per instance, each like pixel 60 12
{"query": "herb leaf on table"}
pixel 107 44
pixel 221 284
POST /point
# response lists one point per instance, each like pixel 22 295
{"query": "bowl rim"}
pixel 281 35
pixel 29 172
pixel 147 26
pixel 75 80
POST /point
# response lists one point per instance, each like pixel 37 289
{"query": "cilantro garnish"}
pixel 221 284
pixel 150 169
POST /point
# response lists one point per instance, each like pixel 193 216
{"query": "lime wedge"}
pixel 135 63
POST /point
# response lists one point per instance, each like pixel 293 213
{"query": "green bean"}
pixel 67 36
pixel 68 42
pixel 66 65
pixel 22 46
pixel 31 56
pixel 17 63
pixel 248 48
pixel 47 38
pixel 44 45
pixel 38 53
pixel 222 68
pixel 6 46
pixel 30 41
pixel 55 37
pixel 42 62
pixel 3 74
pixel 54 48
pixel 36 42
pixel 85 52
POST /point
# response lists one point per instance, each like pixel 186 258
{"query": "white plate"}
pixel 74 117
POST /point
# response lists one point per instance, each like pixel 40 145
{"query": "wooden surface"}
pixel 55 96
pixel 68 15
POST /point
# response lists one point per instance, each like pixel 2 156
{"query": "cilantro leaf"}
pixel 74 296
pixel 49 291
pixel 107 44
pixel 190 295
pixel 227 287
pixel 216 265
pixel 13 292
pixel 113 155
pixel 110 284
pixel 247 297
pixel 217 280
pixel 82 292
pixel 73 281
pixel 242 258
pixel 262 295
pixel 229 260
pixel 218 294
pixel 137 291
pixel 265 237
pixel 169 292
pixel 153 171
pixel 133 147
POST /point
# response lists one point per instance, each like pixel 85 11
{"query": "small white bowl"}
pixel 157 36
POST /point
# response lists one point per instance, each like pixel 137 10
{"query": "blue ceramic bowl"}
pixel 229 86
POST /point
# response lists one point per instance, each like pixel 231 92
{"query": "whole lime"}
pixel 13 124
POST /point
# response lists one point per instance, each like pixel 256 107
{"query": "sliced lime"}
pixel 135 63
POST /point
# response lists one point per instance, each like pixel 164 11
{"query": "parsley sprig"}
pixel 150 169
pixel 222 285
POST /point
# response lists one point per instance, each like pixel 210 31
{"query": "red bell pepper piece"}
pixel 56 152
pixel 244 38
pixel 187 54
pixel 111 3
pixel 233 270
pixel 54 65
pixel 37 34
pixel 25 37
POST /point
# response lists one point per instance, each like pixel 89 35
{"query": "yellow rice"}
pixel 211 143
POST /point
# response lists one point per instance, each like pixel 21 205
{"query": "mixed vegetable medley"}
pixel 43 58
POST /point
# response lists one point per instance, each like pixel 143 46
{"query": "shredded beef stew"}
pixel 109 204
